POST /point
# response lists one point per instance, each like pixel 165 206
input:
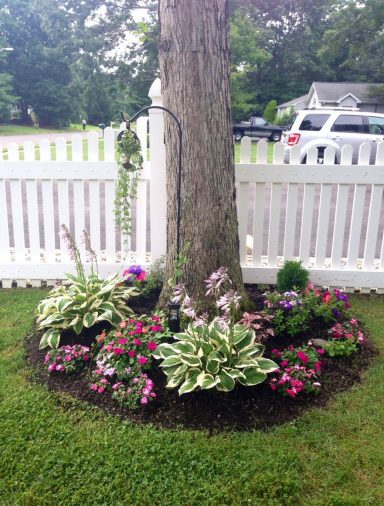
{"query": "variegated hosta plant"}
pixel 86 301
pixel 206 356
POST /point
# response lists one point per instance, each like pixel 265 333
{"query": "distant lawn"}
pixel 254 151
pixel 11 129
pixel 56 450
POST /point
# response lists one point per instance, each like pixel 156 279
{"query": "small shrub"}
pixel 292 276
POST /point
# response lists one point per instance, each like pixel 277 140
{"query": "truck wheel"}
pixel 275 136
pixel 238 136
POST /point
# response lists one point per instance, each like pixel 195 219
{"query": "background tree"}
pixel 194 70
pixel 40 33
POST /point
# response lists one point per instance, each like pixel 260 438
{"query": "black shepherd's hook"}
pixel 179 131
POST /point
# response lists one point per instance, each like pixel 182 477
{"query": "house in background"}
pixel 351 96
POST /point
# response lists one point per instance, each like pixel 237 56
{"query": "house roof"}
pixel 334 92
pixel 294 101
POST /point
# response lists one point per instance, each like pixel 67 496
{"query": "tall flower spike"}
pixel 216 280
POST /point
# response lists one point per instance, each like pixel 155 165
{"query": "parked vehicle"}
pixel 336 128
pixel 257 127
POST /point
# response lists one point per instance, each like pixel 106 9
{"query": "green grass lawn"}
pixel 55 450
pixel 11 129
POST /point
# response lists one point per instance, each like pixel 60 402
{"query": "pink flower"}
pixel 302 357
pixel 118 351
pixel 104 381
pixel 151 346
pixel 353 322
pixel 123 324
pixel 326 297
pixel 320 351
pixel 276 353
pixel 156 328
pixel 156 318
pixel 93 387
pixel 144 400
pixel 142 360
pixel 291 392
pixel 101 390
pixel 123 340
pixel 141 276
pixel 52 367
pixel 85 358
pixel 273 386
pixel 67 358
pixel 137 342
pixel 317 366
pixel 118 334
pixel 283 363
pixel 131 353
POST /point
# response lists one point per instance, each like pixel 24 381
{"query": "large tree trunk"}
pixel 194 70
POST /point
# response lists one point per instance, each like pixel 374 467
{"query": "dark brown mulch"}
pixel 244 408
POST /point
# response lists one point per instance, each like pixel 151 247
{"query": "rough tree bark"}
pixel 194 71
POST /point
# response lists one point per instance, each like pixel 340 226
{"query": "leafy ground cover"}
pixel 57 450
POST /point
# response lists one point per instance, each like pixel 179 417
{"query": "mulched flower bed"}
pixel 244 408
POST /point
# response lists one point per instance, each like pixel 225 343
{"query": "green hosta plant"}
pixel 86 301
pixel 206 356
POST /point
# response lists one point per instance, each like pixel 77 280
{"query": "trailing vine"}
pixel 130 164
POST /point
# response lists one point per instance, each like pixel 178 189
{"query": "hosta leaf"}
pixel 78 327
pixel 226 383
pixel 253 350
pixel 188 386
pixel 246 340
pixel 235 374
pixel 63 304
pixel 89 319
pixel 266 365
pixel 43 341
pixel 253 376
pixel 54 339
pixel 177 375
pixel 171 361
pixel 245 362
pixel 182 336
pixel 191 360
pixel 213 366
pixel 183 347
pixel 215 355
pixel 205 380
pixel 72 277
pixel 107 306
pixel 163 351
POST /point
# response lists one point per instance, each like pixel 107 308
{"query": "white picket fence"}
pixel 329 216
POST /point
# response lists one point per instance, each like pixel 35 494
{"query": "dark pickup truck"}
pixel 257 127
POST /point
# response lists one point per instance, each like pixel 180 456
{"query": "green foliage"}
pixel 85 302
pixel 130 163
pixel 340 348
pixel 292 276
pixel 6 97
pixel 155 276
pixel 206 357
pixel 40 63
pixel 98 105
pixel 293 322
pixel 269 113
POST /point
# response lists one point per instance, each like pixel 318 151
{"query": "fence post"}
pixel 158 194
